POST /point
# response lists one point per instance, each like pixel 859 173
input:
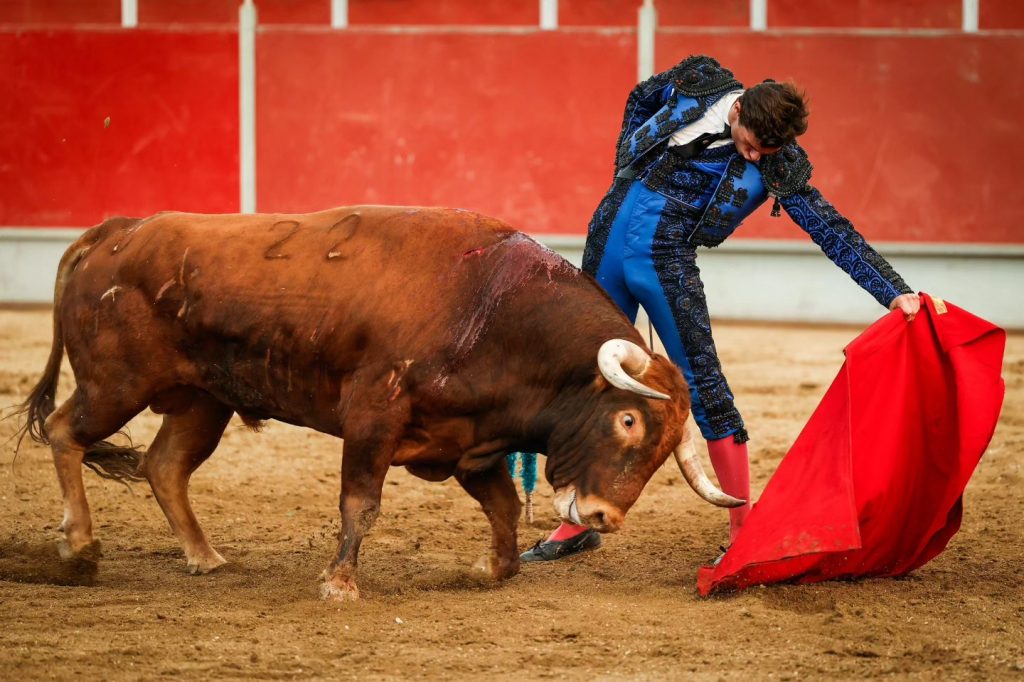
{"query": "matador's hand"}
pixel 909 305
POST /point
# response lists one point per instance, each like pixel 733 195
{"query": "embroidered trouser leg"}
pixel 667 283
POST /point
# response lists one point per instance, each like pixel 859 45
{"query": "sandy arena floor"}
pixel 269 503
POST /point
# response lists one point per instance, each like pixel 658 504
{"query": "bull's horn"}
pixel 619 361
pixel 693 472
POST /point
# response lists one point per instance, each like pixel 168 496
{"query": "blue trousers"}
pixel 640 266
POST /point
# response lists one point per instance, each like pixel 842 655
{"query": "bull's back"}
pixel 329 244
pixel 259 255
pixel 259 252
pixel 405 276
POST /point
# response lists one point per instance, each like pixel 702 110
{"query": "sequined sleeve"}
pixel 843 244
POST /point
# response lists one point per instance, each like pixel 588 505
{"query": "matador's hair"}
pixel 775 112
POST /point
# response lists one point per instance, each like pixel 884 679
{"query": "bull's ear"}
pixel 663 373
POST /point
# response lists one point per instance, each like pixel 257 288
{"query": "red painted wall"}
pixel 187 11
pixel 489 12
pixel 704 13
pixel 994 14
pixel 674 13
pixel 294 11
pixel 172 141
pixel 914 137
pixel 512 125
pixel 153 13
pixel 1001 14
pixel 161 12
pixel 867 13
pixel 60 12
pixel 597 12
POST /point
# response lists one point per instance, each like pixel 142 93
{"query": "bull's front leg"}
pixel 363 468
pixel 495 490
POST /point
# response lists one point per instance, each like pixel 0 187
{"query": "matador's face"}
pixel 743 137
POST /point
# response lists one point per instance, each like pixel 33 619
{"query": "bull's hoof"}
pixel 201 565
pixel 339 589
pixel 85 557
pixel 492 567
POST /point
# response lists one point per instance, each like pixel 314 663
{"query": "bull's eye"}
pixel 628 420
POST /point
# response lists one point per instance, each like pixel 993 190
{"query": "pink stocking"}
pixel 565 531
pixel 732 467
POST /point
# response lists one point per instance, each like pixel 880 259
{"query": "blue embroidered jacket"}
pixel 714 192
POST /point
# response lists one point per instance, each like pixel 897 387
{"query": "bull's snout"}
pixel 588 510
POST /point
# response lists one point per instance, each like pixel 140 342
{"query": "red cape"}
pixel 873 484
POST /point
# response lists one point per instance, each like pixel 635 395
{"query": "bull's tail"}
pixel 41 401
pixel 115 462
pixel 108 460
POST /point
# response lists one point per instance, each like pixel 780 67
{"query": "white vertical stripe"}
pixel 247 106
pixel 339 13
pixel 971 11
pixel 758 15
pixel 549 14
pixel 129 13
pixel 646 26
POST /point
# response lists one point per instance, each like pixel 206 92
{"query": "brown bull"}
pixel 433 339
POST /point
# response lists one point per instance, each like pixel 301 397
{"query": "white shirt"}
pixel 714 120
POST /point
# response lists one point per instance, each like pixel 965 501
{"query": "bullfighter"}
pixel 696 156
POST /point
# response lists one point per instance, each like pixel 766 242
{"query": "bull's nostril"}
pixel 599 518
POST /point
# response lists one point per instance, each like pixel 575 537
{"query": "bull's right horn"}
pixel 693 472
pixel 618 359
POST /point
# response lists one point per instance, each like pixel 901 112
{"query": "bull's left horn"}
pixel 619 361
pixel 693 472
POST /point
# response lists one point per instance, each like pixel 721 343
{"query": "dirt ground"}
pixel 268 502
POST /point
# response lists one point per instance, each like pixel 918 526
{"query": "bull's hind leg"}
pixel 71 429
pixel 496 493
pixel 188 436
